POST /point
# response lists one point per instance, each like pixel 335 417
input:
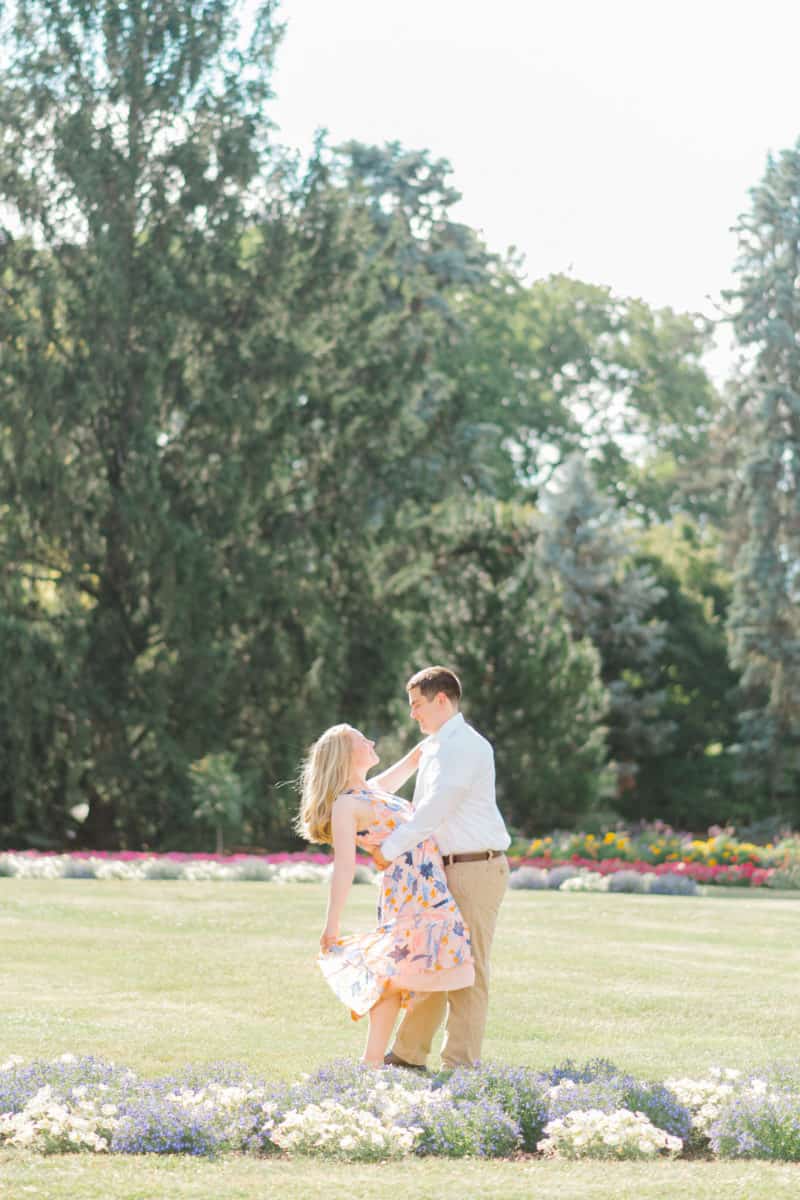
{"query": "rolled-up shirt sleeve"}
pixel 447 784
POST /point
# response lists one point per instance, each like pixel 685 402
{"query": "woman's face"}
pixel 364 755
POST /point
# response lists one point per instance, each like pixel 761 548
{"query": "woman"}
pixel 421 943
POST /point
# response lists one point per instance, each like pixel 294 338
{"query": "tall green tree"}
pixel 135 146
pixel 258 418
pixel 364 268
pixel 764 619
pixel 609 601
pixel 561 366
pixel 691 783
pixel 237 394
pixel 531 687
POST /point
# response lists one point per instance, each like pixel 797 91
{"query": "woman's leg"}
pixel 382 1017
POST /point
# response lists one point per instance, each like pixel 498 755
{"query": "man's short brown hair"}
pixel 432 680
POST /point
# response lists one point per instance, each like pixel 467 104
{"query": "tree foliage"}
pixel 532 686
pixel 609 601
pixel 273 434
pixel 694 778
pixel 763 623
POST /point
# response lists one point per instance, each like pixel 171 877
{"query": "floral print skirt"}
pixel 421 943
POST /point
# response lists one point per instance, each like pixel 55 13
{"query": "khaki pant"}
pixel 477 888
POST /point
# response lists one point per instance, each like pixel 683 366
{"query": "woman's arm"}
pixel 395 776
pixel 343 825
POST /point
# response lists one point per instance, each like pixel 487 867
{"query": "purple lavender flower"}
pixel 761 1119
pixel 518 1090
pixel 465 1128
pixel 20 1084
pixel 151 1123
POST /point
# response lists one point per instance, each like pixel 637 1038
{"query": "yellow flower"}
pixel 712 862
pixel 609 838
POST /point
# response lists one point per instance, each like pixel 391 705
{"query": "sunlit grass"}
pixel 159 974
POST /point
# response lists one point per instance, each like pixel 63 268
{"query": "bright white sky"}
pixel 612 139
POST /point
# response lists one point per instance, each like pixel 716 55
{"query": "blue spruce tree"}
pixel 608 600
pixel 764 622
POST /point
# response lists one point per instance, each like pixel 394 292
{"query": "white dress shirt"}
pixel 454 798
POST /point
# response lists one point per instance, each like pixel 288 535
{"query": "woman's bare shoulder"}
pixel 345 801
pixel 351 801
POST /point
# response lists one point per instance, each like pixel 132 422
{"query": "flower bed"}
pixel 717 859
pixel 659 845
pixel 576 873
pixel 241 868
pixel 744 876
pixel 347 1112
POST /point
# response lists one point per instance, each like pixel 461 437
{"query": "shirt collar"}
pixel 448 729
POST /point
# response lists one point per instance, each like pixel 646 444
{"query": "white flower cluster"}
pixel 393 1100
pixel 216 1096
pixel 591 1133
pixel 86 1121
pixel 49 1126
pixel 586 881
pixel 224 1104
pixel 61 866
pixel 333 1130
pixel 705 1097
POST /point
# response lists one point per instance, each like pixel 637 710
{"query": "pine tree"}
pixel 135 147
pixel 609 601
pixel 531 687
pixel 764 621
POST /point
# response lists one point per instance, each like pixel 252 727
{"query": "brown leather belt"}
pixel 478 856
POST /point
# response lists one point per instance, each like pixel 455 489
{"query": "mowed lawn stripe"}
pixel 159 973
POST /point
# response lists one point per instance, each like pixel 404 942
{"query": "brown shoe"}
pixel 391 1060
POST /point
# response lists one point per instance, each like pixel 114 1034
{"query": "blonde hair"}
pixel 325 774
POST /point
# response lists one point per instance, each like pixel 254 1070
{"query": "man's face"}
pixel 430 714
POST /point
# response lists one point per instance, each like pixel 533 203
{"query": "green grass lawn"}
pixel 158 974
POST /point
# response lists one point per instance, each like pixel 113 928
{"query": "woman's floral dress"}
pixel 421 942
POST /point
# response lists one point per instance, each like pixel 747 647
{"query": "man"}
pixel 454 801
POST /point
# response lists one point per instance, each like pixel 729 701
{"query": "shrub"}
pixel 20 1082
pixel 50 1126
pixel 593 1069
pixel 760 1121
pixel 598 1134
pixel 254 871
pixel 471 1127
pixel 219 794
pixel 704 1099
pixel 659 1104
pixel 518 1090
pixel 333 1130
pixel 557 875
pixel 586 881
pixel 627 881
pixel 79 868
pixel 153 1123
pixel 785 877
pixel 533 878
pixel 162 868
pixel 673 885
